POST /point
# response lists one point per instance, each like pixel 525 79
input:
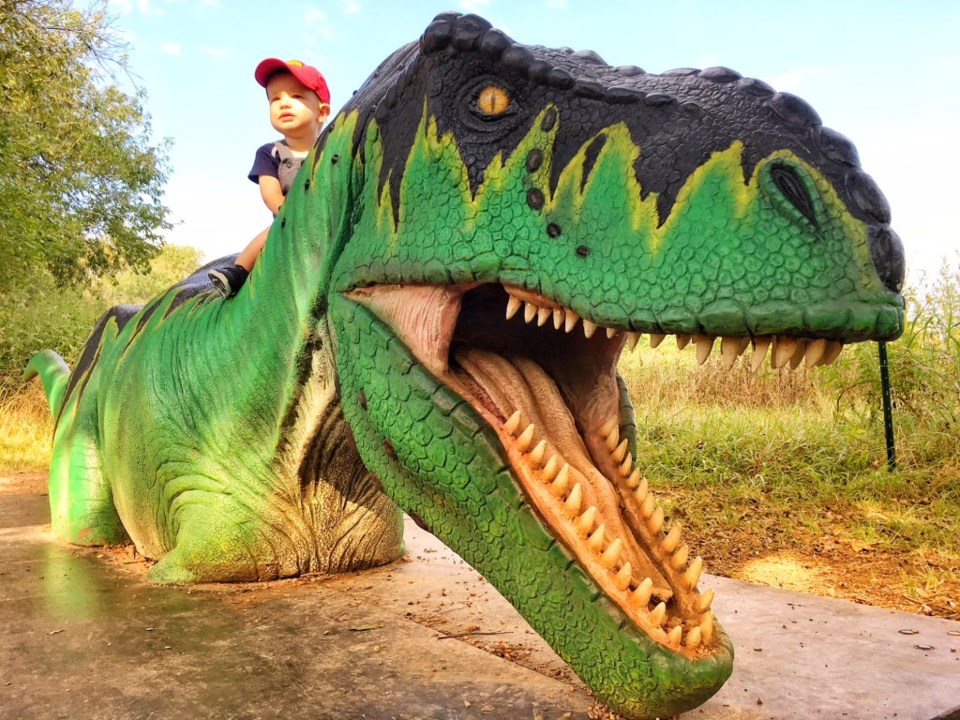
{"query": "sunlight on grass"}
pixel 26 430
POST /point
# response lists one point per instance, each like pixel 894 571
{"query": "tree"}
pixel 80 184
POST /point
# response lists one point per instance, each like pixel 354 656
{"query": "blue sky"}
pixel 884 73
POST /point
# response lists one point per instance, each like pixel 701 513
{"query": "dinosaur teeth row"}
pixel 785 350
pixel 653 515
pixel 607 552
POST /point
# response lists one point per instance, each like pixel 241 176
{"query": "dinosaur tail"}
pixel 54 374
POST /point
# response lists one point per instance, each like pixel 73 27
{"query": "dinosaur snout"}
pixel 886 252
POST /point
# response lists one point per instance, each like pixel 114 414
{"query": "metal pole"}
pixel 887 408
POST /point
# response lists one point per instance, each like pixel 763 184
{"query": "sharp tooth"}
pixel 571 506
pixel 536 455
pixel 512 424
pixel 584 523
pixel 648 506
pixel 783 350
pixel 679 558
pixel 620 451
pixel 624 574
pixel 832 352
pixel 730 350
pixel 571 321
pixel 815 350
pixel 760 347
pixel 558 314
pixel 633 481
pixel 632 339
pixel 672 539
pixel 529 312
pixel 658 613
pixel 613 439
pixel 706 600
pixel 706 627
pixel 682 341
pixel 704 346
pixel 559 486
pixel 626 465
pixel 640 494
pixel 526 437
pixel 589 328
pixel 513 304
pixel 673 637
pixel 641 596
pixel 550 469
pixel 543 315
pixel 692 575
pixel 611 332
pixel 798 354
pixel 655 523
pixel 595 541
pixel 656 339
pixel 609 426
pixel 611 556
pixel 693 638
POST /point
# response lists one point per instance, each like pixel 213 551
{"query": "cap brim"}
pixel 267 68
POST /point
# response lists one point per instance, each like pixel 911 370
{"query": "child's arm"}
pixel 271 193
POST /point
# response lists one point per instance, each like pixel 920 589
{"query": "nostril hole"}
pixel 793 189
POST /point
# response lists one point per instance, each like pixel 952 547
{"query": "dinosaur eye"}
pixel 793 189
pixel 493 101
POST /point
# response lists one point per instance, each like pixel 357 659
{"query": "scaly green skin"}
pixel 211 433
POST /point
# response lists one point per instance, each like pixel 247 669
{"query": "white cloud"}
pixel 146 8
pixel 123 7
pixel 320 22
pixel 350 7
pixel 171 48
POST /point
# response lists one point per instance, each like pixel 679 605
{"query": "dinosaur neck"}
pixel 280 316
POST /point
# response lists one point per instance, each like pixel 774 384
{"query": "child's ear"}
pixel 323 112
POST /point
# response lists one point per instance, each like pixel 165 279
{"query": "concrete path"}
pixel 83 636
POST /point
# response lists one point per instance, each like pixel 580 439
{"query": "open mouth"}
pixel 545 380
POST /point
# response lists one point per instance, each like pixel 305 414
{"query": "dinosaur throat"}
pixel 551 394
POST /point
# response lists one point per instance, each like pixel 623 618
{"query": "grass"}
pixel 26 429
pixel 756 465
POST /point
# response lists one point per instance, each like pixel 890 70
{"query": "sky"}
pixel 885 73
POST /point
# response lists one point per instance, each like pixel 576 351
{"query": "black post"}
pixel 887 408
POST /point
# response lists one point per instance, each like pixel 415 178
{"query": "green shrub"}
pixel 44 315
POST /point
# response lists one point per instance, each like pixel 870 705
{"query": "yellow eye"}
pixel 493 100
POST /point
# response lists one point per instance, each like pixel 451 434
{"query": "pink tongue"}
pixel 517 383
pixel 509 383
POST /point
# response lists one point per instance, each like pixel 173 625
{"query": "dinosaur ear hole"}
pixel 493 101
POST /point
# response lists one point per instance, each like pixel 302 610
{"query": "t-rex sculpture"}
pixel 435 325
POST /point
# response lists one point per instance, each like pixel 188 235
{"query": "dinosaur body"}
pixel 435 324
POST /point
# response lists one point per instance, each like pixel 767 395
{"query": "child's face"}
pixel 294 108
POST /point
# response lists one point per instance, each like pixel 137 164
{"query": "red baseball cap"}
pixel 307 74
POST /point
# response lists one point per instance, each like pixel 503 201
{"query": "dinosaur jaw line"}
pixel 545 380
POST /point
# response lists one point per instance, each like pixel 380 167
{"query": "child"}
pixel 299 105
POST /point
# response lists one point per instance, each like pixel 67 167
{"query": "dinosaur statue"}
pixel 435 325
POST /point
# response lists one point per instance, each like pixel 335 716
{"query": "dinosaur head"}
pixel 514 217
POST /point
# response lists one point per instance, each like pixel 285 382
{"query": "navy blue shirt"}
pixel 268 161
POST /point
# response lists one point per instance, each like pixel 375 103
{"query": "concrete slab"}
pixel 85 637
